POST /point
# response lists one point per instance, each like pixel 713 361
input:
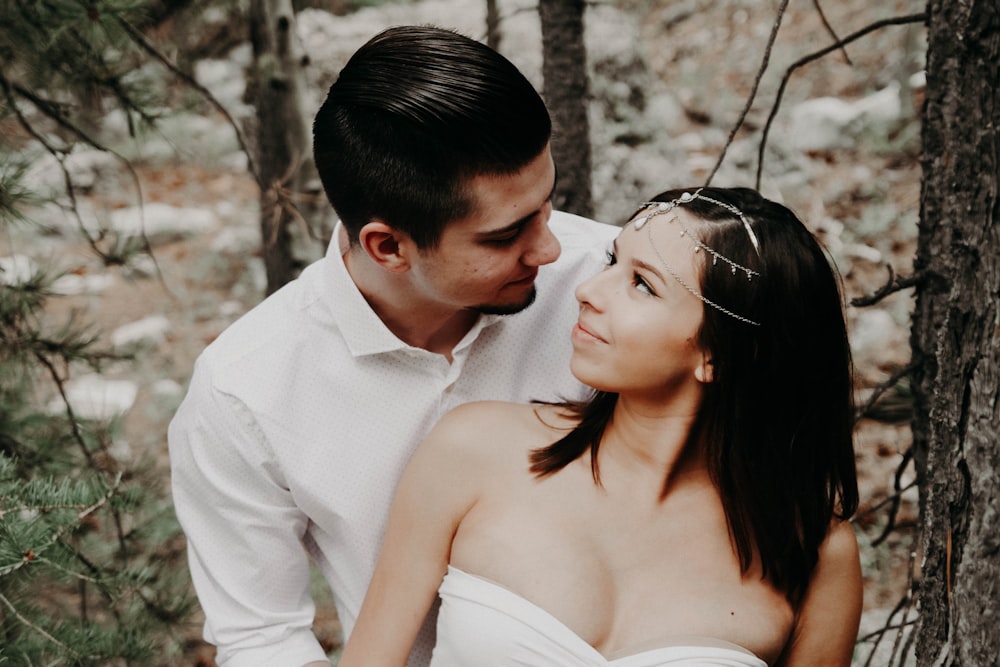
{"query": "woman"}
pixel 693 512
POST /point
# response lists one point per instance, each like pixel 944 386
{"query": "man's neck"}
pixel 412 320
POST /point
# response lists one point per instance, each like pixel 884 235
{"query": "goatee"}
pixel 509 308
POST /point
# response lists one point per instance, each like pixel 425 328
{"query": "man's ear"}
pixel 385 245
pixel 704 373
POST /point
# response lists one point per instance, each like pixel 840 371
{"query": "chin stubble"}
pixel 508 309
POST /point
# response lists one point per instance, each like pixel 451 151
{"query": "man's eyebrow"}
pixel 517 224
pixel 507 229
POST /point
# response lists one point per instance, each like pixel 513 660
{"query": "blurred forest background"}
pixel 132 236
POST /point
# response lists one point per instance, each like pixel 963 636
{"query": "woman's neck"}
pixel 649 441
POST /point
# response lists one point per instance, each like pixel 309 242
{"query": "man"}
pixel 434 152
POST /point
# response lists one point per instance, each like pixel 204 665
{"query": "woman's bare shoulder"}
pixel 841 543
pixel 498 429
pixel 504 418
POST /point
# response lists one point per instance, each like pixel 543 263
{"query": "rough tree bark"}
pixel 955 334
pixel 564 69
pixel 290 200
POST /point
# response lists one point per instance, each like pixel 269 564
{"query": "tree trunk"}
pixel 564 68
pixel 291 200
pixel 955 336
pixel 493 34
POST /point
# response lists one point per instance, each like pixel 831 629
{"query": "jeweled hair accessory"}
pixel 655 208
pixel 687 198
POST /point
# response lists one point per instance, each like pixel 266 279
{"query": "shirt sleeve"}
pixel 244 533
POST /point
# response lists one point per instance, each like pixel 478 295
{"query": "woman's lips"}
pixel 582 331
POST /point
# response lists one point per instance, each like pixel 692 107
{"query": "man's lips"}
pixel 527 280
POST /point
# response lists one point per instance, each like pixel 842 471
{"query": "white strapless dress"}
pixel 481 623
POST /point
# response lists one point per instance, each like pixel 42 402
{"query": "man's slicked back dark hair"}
pixel 414 114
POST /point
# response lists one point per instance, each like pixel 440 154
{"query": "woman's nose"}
pixel 588 291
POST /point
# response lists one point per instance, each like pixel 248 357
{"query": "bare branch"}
pixel 895 499
pixel 829 29
pixel 905 605
pixel 753 93
pixel 891 286
pixel 148 47
pixel 882 503
pixel 877 25
pixel 51 110
pixel 885 386
pixel 70 413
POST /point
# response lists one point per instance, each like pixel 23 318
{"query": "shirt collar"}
pixel 363 331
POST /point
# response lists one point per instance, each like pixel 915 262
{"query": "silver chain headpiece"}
pixel 660 208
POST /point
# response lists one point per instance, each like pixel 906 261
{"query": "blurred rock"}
pixel 236 241
pixel 226 80
pixel 161 223
pixel 829 123
pixel 874 333
pixel 152 329
pixel 16 269
pixel 94 397
pixel 166 388
pixel 84 167
pixel 231 308
pixel 73 284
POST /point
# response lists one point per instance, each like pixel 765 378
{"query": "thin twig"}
pixel 805 60
pixel 882 503
pixel 148 47
pixel 891 286
pixel 753 93
pixel 885 386
pixel 890 523
pixel 70 413
pixel 829 29
pixel 905 604
pixel 51 111
pixel 906 611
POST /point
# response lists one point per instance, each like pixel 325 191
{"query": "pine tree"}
pixel 89 569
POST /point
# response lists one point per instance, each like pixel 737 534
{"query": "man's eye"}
pixel 501 242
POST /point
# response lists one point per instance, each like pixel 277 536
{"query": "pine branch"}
pixel 53 111
pixel 31 555
pixel 27 623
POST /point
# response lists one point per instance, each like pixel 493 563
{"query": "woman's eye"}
pixel 610 258
pixel 640 284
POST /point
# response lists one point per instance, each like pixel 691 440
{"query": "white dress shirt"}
pixel 299 421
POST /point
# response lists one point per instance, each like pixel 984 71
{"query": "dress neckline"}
pixel 621 657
